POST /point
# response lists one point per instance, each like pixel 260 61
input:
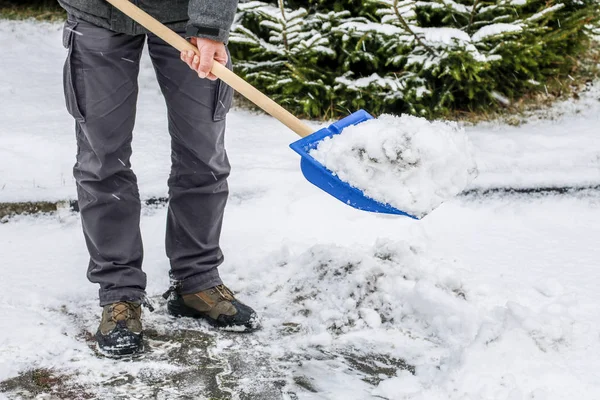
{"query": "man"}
pixel 101 89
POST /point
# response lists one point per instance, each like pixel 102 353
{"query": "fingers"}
pixel 221 55
pixel 191 59
pixel 221 58
pixel 194 62
pixel 209 51
pixel 206 61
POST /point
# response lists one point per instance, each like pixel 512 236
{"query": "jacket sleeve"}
pixel 211 19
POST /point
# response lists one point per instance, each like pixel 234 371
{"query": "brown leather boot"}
pixel 216 305
pixel 120 331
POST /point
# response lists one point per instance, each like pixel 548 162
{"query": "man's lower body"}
pixel 101 90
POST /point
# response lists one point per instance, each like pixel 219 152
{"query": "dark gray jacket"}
pixel 203 18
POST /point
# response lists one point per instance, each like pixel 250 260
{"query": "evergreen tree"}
pixel 429 57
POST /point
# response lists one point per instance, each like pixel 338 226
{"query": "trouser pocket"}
pixel 72 81
pixel 224 96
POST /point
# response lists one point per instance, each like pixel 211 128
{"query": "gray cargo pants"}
pixel 100 79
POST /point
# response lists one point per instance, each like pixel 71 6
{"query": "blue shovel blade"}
pixel 326 180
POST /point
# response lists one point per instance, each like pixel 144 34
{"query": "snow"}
pixel 494 30
pixel 365 82
pixel 406 162
pixel 445 36
pixel 405 385
pixel 367 26
pixel 501 98
pixel 543 13
pixel 516 329
pixel 461 8
pixel 487 298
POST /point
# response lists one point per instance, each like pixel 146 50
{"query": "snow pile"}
pixel 407 162
pixel 334 291
pixel 419 321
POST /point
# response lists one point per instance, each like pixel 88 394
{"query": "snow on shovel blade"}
pixel 326 180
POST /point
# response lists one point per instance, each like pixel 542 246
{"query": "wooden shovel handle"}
pixel 222 72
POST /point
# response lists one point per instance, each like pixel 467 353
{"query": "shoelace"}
pixel 146 303
pixel 174 286
pixel 121 308
pixel 117 311
pixel 225 293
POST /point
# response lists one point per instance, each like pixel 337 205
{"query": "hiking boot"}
pixel 216 305
pixel 120 331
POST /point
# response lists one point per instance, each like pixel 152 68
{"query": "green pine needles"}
pixel 324 58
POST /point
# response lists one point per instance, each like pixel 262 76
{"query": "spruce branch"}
pixel 284 27
pixel 472 17
pixel 409 30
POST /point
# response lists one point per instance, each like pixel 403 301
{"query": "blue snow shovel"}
pixel 313 171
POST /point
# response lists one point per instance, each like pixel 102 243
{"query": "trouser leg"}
pixel 198 182
pixel 101 93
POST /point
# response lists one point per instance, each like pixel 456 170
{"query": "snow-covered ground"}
pixel 486 298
